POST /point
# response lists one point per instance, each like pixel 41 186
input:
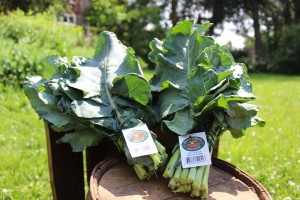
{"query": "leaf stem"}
pixel 171 167
pixel 109 96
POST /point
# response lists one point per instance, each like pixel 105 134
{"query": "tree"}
pixel 286 12
pixel 278 16
pixel 218 13
pixel 173 15
pixel 36 6
pixel 297 11
pixel 220 10
pixel 135 22
pixel 254 9
pixel 10 5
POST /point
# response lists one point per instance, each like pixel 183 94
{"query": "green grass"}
pixel 270 154
pixel 23 167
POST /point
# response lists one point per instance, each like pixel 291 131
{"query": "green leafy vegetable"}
pixel 96 98
pixel 199 87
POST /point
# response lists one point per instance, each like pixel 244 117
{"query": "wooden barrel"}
pixel 114 179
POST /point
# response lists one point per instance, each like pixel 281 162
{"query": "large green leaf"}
pixel 105 93
pixel 113 71
pixel 91 108
pixel 237 133
pixel 176 55
pixel 200 82
pixel 136 110
pixel 197 82
pixel 132 86
pixel 82 139
pixel 182 123
pixel 87 79
pixel 242 116
pixel 32 86
pixel 216 57
pixel 220 102
pixel 54 64
pixel 44 102
pixel 171 101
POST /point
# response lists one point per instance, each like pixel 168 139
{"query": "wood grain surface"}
pixel 120 182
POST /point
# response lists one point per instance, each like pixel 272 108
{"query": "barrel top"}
pixel 116 180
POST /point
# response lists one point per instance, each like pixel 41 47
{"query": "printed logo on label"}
pixel 193 143
pixel 137 136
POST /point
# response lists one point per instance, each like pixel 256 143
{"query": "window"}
pixel 70 18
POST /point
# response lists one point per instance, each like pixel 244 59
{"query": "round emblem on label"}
pixel 193 143
pixel 137 136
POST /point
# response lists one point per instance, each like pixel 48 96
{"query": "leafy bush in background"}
pixel 26 40
pixel 286 56
pixel 281 51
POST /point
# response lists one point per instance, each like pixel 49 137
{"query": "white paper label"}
pixel 139 141
pixel 194 150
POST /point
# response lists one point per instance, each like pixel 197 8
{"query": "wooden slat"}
pixel 66 168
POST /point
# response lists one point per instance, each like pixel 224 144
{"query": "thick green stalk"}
pixel 184 175
pixel 183 188
pixel 204 181
pixel 175 148
pixel 195 193
pixel 170 169
pixel 178 173
pixel 204 194
pixel 172 184
pixel 140 171
pixel 162 153
pixel 161 149
pixel 198 178
pixel 156 160
pixel 191 175
pixel 188 187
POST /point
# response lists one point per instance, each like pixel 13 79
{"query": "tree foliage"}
pixel 276 16
pixel 286 56
pixel 35 6
pixel 218 11
pixel 280 38
pixel 138 22
pixel 135 22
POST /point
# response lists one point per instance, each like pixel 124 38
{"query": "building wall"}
pixel 78 9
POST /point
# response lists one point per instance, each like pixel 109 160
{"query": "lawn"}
pixel 270 154
pixel 23 169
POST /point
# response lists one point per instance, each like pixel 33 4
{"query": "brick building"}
pixel 78 8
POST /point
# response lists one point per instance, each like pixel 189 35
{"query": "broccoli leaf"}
pixel 178 54
pixel 198 86
pixel 132 86
pixel 81 139
pixel 44 101
pixel 94 98
pixel 181 124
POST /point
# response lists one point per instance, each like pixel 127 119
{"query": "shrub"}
pixel 286 55
pixel 26 40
